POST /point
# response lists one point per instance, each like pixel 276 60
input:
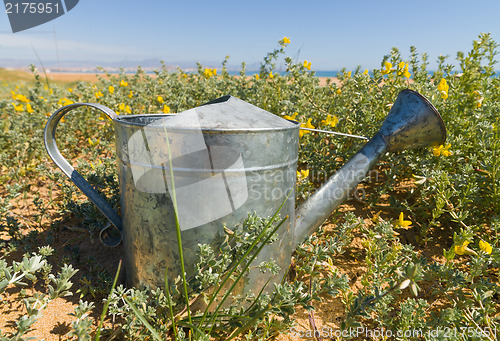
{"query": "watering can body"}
pixel 209 167
pixel 218 169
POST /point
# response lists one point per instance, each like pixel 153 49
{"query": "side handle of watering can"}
pixel 111 235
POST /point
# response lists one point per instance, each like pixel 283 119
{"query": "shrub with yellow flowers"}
pixel 446 198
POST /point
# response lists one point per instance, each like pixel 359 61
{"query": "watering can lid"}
pixel 229 112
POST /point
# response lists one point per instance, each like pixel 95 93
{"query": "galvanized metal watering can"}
pixel 227 158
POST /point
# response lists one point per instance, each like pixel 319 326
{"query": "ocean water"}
pixel 327 73
pixel 317 73
pixel 322 73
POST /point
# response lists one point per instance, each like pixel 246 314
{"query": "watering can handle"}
pixel 111 235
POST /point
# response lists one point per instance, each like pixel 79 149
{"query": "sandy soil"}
pixel 73 77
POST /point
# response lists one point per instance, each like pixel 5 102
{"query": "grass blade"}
pixel 178 229
pixel 106 305
pixel 142 319
pixel 241 260
pixel 169 302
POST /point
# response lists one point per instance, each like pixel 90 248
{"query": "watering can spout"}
pixel 412 122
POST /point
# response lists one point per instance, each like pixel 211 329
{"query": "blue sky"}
pixel 330 34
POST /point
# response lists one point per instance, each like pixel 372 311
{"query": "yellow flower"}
pixel 303 174
pixel 443 88
pixel 257 77
pixel 209 73
pixel 485 246
pixel 303 132
pixel 338 91
pixel 131 94
pixel 403 70
pixel 330 120
pixel 70 90
pixel 307 65
pixel 98 94
pixel 271 75
pixel 463 249
pixel 286 40
pixel 407 73
pixel 123 83
pixel 441 150
pixel 376 217
pixel 19 97
pixel 160 99
pixel 401 222
pixel 366 72
pixel 349 74
pixel 309 124
pixel 29 109
pixel 388 68
pixel 124 108
pixel 286 117
pixel 65 101
pixel 111 89
pixel 19 107
pixel 93 142
pixel 166 109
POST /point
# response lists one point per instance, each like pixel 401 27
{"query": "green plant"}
pixel 214 273
pixel 27 269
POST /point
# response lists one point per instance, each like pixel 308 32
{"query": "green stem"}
pixel 170 308
pixel 104 311
pixel 141 317
pixel 178 229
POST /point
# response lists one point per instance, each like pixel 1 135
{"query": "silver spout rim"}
pixel 440 120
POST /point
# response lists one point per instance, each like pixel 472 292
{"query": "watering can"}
pixel 215 164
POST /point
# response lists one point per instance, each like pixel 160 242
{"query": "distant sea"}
pixel 332 73
pixel 327 73
pixel 320 73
